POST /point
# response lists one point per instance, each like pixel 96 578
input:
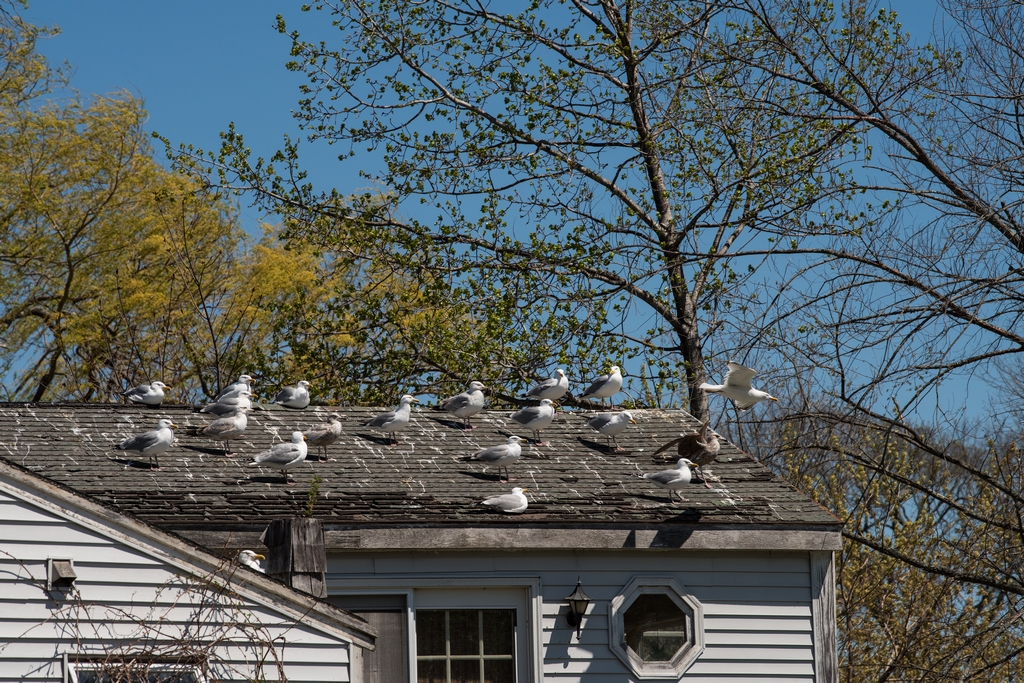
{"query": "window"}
pixel 131 672
pixel 465 646
pixel 656 627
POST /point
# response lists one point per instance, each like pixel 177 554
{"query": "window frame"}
pixel 74 663
pixel 689 605
pixel 481 657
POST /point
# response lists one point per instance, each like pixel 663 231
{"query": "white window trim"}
pixel 661 585
pixel 75 662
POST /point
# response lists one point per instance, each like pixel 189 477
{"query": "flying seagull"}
pixel 232 389
pixel 150 444
pixel 699 448
pixel 536 418
pixel 674 480
pixel 296 397
pixel 737 387
pixel 231 426
pixel 467 404
pixel 324 434
pixel 284 456
pixel 611 425
pixel 509 503
pixel 151 394
pixel 553 388
pixel 605 386
pixel 251 560
pixel 390 422
pixel 499 456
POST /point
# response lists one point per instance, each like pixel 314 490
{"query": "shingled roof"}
pixel 575 481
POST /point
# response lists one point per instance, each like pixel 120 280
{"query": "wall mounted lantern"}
pixel 578 601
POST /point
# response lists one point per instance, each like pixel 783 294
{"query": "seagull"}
pixel 467 404
pixel 392 421
pixel 323 435
pixel 284 456
pixel 611 425
pixel 673 480
pixel 150 444
pixel 553 388
pixel 294 397
pixel 509 503
pixel 251 560
pixel 232 389
pixel 605 386
pixel 536 418
pixel 697 448
pixel 499 456
pixel 151 394
pixel 737 387
pixel 224 406
pixel 224 429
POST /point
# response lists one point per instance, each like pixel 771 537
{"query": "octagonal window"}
pixel 655 627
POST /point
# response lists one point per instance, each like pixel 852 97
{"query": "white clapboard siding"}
pixel 118 587
pixel 757 604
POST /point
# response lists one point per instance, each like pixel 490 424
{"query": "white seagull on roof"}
pixel 392 421
pixel 553 388
pixel 226 405
pixel 296 397
pixel 499 456
pixel 151 394
pixel 509 503
pixel 605 386
pixel 467 404
pixel 251 560
pixel 324 434
pixel 536 418
pixel 737 387
pixel 699 448
pixel 673 480
pixel 232 389
pixel 611 425
pixel 150 444
pixel 284 456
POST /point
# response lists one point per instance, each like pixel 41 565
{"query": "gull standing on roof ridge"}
pixel 611 425
pixel 296 397
pixel 605 386
pixel 392 421
pixel 553 388
pixel 536 418
pixel 499 456
pixel 232 389
pixel 284 456
pixel 324 434
pixel 699 448
pixel 737 387
pixel 151 394
pixel 674 479
pixel 150 444
pixel 227 428
pixel 467 404
pixel 251 559
pixel 224 406
pixel 509 503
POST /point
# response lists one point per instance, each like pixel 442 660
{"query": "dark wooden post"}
pixel 296 554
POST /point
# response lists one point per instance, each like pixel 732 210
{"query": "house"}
pixel 91 595
pixel 736 583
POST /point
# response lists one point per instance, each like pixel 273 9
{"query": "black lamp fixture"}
pixel 578 601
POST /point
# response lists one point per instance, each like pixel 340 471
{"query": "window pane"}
pixel 499 671
pixel 464 625
pixel 655 627
pixel 431 671
pixel 430 632
pixel 465 671
pixel 498 632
